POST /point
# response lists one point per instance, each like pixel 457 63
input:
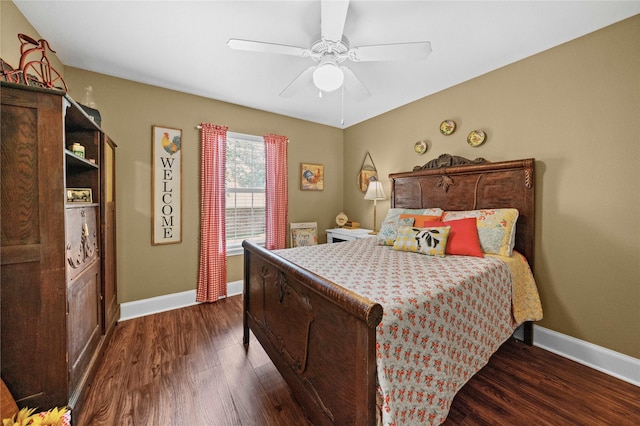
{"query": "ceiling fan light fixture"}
pixel 328 77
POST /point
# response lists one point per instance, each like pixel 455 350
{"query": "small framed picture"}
pixel 304 234
pixel 311 177
pixel 79 195
pixel 366 176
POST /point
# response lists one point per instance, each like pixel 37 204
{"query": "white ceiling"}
pixel 181 45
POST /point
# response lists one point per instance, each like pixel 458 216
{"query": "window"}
pixel 244 191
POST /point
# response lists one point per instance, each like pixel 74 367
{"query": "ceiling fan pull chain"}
pixel 342 102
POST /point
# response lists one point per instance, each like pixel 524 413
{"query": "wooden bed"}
pixel 322 337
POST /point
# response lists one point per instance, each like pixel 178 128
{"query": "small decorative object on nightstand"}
pixel 341 219
pixel 339 235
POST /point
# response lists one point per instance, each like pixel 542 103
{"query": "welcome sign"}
pixel 166 186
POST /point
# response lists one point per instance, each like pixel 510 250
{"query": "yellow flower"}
pixel 25 417
pixel 22 418
pixel 52 417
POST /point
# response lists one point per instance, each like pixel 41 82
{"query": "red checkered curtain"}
pixel 276 191
pixel 212 272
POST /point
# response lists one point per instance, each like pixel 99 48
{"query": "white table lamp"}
pixel 375 193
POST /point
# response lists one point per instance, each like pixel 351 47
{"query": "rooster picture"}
pixel 170 145
pixel 312 176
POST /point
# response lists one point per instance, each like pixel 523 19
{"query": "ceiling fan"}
pixel 331 50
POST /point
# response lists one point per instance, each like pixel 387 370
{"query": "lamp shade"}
pixel 375 191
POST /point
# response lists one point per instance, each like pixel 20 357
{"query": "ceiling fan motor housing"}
pixel 323 47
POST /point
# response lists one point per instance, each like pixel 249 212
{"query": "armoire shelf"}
pixel 77 162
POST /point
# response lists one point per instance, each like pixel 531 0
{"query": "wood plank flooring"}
pixel 189 367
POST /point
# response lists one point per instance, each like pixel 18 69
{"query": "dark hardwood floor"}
pixel 189 367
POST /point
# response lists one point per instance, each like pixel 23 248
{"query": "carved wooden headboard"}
pixel 456 183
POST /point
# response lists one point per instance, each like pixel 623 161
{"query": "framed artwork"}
pixel 367 173
pixel 79 195
pixel 304 234
pixel 311 177
pixel 166 185
pixel 366 176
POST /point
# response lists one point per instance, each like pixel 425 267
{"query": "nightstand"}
pixel 339 235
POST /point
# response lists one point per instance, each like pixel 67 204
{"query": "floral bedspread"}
pixel 443 318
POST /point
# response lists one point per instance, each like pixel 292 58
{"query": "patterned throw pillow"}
pixel 496 228
pixel 389 231
pixel 390 224
pixel 431 241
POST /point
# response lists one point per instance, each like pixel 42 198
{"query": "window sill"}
pixel 239 250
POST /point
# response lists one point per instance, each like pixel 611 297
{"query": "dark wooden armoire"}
pixel 58 296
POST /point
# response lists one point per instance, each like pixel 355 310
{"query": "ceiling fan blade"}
pixel 353 85
pixel 299 82
pixel 333 14
pixel 415 51
pixel 260 46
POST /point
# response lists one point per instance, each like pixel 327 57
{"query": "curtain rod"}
pixel 241 135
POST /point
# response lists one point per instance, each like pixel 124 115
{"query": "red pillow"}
pixel 419 220
pixel 463 237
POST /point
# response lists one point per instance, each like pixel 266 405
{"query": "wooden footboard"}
pixel 320 336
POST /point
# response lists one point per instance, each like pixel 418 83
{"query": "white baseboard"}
pixel 154 305
pixel 234 288
pixel 605 360
pixel 602 359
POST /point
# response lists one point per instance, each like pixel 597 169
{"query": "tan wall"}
pixel 129 110
pixel 576 109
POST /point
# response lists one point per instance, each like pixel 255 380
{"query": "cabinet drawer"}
pixel 82 238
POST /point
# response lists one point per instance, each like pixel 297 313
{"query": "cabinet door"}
pixel 84 323
pixel 32 302
pixel 110 307
pixel 82 239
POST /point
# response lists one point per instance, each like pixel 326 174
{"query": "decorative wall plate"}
pixel 420 147
pixel 447 127
pixel 476 138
